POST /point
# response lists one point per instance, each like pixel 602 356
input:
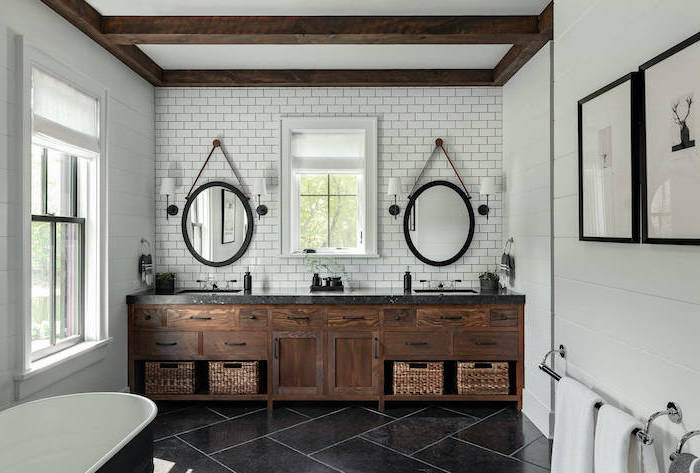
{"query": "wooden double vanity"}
pixel 328 347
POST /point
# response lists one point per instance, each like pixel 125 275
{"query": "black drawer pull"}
pixel 376 348
pixel 354 317
pixel 275 348
pixel 233 365
pixel 196 317
pixel 398 317
pixel 235 344
pixel 415 344
pixel 148 317
pixel 166 344
pixel 299 317
pixel 483 344
pixel 504 317
pixel 252 317
pixel 450 317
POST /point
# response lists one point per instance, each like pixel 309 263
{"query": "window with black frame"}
pixel 64 144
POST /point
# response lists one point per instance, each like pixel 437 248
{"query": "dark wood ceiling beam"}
pixel 519 54
pixel 88 20
pixel 327 78
pixel 320 29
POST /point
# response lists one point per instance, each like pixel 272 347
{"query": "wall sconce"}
pixel 260 189
pixel 487 187
pixel 167 188
pixel 394 189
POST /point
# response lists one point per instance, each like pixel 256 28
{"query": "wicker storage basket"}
pixel 418 377
pixel 483 377
pixel 234 377
pixel 169 377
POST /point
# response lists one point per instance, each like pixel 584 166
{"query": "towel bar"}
pixel 681 443
pixel 672 410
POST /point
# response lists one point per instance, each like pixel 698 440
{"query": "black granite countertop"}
pixel 357 296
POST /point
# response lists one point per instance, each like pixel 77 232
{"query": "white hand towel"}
pixel 650 463
pixel 612 440
pixel 573 430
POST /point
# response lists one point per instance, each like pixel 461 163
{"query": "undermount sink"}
pixel 208 291
pixel 471 291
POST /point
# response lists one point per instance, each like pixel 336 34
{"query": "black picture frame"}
pixel 643 155
pixel 249 231
pixel 636 99
pixel 410 210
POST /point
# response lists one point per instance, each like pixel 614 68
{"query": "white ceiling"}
pixel 319 7
pixel 326 56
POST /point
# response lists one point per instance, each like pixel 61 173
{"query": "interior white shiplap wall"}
pixel 526 217
pixel 130 149
pixel 629 314
pixel 247 120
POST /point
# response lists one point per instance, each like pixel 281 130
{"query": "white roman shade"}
pixel 328 150
pixel 62 112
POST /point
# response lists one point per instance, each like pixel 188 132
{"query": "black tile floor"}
pixel 240 438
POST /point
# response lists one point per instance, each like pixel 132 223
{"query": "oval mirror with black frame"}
pixel 439 223
pixel 217 224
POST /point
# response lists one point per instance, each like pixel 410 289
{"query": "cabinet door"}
pixel 353 362
pixel 297 366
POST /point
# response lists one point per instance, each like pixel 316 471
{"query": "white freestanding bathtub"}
pixel 78 433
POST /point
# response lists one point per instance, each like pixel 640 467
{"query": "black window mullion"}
pixel 52 295
pixel 74 184
pixel 328 212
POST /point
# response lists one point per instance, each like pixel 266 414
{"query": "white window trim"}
pixel 368 206
pixel 96 289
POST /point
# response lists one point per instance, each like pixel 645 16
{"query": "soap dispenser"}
pixel 247 281
pixel 407 281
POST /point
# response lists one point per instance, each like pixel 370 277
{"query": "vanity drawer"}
pixel 353 317
pixel 416 344
pixel 166 344
pixel 503 318
pixel 243 345
pixel 452 317
pixel 399 317
pixel 297 318
pixel 486 345
pixel 147 317
pixel 201 317
pixel 252 317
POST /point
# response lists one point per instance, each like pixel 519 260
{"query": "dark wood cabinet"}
pixel 297 365
pixel 353 363
pixel 326 352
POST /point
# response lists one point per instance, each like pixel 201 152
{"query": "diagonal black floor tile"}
pixel 326 431
pixel 504 432
pixel 174 422
pixel 266 456
pixel 459 457
pixel 314 411
pixel 165 407
pixel 359 456
pixel 538 452
pixel 233 432
pixel 234 409
pixel 175 456
pixel 476 410
pixel 400 410
pixel 414 432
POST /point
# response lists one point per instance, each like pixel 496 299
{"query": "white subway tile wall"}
pixel 247 121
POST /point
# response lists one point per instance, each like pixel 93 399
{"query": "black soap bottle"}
pixel 407 281
pixel 247 281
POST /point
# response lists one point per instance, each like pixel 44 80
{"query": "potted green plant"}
pixel 165 283
pixel 488 280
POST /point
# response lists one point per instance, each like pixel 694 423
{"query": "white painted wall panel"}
pixel 627 313
pixel 527 216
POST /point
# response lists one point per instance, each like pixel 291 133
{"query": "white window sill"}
pixel 331 255
pixel 53 368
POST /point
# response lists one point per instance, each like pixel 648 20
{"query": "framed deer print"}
pixel 608 162
pixel 670 167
